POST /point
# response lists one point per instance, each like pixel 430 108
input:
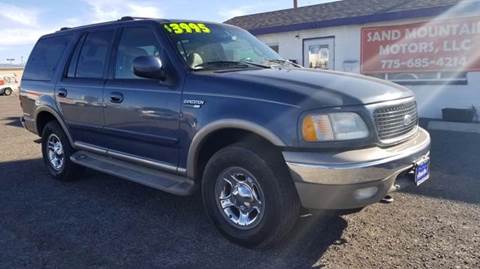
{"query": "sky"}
pixel 22 22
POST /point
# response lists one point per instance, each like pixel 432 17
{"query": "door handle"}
pixel 116 97
pixel 62 93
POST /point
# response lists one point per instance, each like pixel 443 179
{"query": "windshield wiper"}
pixel 211 64
pixel 283 62
pixel 226 64
pixel 255 64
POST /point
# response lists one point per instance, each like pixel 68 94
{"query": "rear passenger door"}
pixel 80 92
pixel 141 115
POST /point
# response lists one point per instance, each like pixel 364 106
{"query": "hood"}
pixel 304 87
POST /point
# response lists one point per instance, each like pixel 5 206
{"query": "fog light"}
pixel 365 193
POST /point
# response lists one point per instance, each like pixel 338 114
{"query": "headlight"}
pixel 333 126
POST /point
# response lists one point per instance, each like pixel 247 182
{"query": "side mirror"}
pixel 149 67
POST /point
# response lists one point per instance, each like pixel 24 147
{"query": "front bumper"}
pixel 354 178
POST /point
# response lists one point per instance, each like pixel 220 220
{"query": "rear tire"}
pixel 56 150
pixel 258 183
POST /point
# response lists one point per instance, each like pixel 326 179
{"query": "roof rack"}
pixel 131 18
pixel 125 18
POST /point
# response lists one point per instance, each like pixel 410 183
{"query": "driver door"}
pixel 141 115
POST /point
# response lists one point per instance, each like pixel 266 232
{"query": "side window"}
pixel 134 42
pixel 44 58
pixel 93 55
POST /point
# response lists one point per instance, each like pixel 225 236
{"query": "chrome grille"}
pixel 396 122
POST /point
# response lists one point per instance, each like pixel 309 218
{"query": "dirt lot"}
pixel 105 222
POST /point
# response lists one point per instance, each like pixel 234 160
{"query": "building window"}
pixel 319 53
pixel 426 78
pixel 274 47
pixel 318 56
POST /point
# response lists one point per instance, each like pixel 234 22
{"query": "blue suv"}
pixel 186 105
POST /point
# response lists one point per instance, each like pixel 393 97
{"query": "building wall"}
pixel 431 98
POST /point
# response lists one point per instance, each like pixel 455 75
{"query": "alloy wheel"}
pixel 240 198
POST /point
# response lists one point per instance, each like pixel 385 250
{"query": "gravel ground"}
pixel 105 222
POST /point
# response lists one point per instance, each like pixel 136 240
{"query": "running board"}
pixel 143 175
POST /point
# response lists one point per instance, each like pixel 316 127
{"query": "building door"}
pixel 319 53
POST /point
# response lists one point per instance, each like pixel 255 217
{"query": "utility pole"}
pixel 295 3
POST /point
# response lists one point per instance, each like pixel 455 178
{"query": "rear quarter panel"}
pixel 33 96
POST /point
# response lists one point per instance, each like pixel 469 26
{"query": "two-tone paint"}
pixel 165 123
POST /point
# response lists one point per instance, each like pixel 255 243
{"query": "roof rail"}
pixel 131 18
pixel 125 18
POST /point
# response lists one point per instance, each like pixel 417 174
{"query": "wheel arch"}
pixel 202 136
pixel 44 115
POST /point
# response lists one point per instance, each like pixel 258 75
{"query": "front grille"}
pixel 396 122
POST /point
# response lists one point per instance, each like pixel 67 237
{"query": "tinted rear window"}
pixel 45 57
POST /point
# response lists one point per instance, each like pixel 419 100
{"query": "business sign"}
pixel 443 45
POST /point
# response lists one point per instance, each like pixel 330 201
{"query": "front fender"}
pixel 210 128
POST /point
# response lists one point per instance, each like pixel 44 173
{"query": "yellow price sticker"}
pixel 187 28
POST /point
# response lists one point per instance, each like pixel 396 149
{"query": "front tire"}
pixel 56 150
pixel 249 195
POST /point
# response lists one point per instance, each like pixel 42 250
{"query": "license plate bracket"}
pixel 422 171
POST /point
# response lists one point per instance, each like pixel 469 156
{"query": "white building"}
pixel 431 46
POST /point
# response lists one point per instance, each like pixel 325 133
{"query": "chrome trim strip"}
pixel 182 171
pixel 90 147
pixel 127 157
pixel 140 160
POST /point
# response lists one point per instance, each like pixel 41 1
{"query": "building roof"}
pixel 346 12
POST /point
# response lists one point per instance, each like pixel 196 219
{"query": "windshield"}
pixel 214 46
